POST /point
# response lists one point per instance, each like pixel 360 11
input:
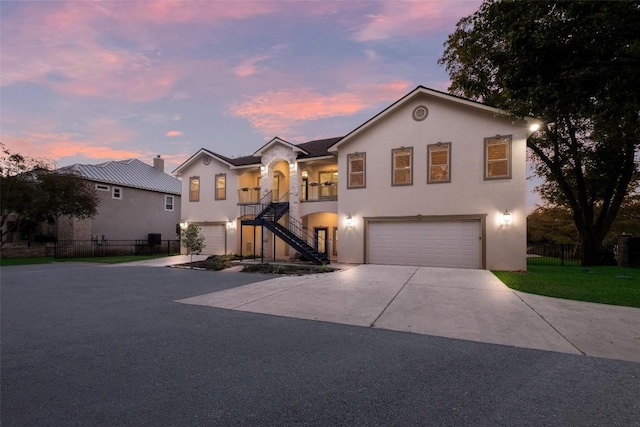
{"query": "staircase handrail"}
pixel 251 211
pixel 299 230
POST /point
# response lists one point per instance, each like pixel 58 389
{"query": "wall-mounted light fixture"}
pixel 230 224
pixel 506 217
pixel 292 166
pixel 305 174
pixel 349 221
pixel 534 127
pixel 263 168
pixel 184 225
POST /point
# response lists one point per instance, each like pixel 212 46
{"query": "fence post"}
pixel 562 254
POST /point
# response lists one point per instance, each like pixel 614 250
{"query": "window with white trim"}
pixel 402 163
pixel 356 164
pixel 221 186
pixel 168 203
pixel 116 193
pixel 194 189
pixel 439 163
pixel 497 157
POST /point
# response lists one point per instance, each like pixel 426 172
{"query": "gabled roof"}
pixel 232 163
pixel 318 148
pixel 276 140
pixel 306 150
pixel 128 173
pixel 418 91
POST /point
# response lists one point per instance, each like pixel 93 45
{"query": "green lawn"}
pixel 104 260
pixel 25 261
pixel 606 285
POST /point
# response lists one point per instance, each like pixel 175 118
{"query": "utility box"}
pixel 155 239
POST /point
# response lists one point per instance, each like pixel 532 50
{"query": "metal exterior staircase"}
pixel 293 233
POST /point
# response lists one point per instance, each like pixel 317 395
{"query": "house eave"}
pixel 260 151
pixel 420 90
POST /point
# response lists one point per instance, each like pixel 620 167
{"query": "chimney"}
pixel 158 163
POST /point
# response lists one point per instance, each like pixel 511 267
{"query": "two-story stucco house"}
pixel 432 180
pixel 136 200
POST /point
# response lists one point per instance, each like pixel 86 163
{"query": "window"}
pixel 194 189
pixel 357 168
pixel 102 187
pixel 221 186
pixel 168 203
pixel 116 193
pixel 439 163
pixel 402 159
pixel 328 184
pixel 497 157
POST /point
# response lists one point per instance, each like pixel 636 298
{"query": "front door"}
pixel 321 234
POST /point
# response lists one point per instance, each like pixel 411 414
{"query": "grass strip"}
pixel 605 285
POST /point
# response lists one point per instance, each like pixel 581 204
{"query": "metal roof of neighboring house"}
pixel 128 173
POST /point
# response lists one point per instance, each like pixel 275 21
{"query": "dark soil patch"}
pixel 221 262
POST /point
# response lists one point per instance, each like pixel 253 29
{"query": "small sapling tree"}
pixel 192 240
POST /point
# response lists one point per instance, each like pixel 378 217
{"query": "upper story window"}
pixel 356 164
pixel 497 157
pixel 168 203
pixel 116 192
pixel 439 163
pixel 102 187
pixel 194 189
pixel 402 159
pixel 221 186
pixel 328 184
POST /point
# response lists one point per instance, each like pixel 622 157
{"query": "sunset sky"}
pixel 91 81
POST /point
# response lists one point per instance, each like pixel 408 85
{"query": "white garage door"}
pixel 214 239
pixel 431 243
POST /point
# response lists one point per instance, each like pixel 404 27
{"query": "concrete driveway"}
pixel 464 304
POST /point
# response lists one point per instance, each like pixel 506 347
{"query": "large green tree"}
pixel 31 191
pixel 575 65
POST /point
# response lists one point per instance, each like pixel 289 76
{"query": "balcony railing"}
pixel 248 195
pixel 319 191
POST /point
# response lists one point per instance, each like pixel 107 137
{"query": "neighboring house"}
pixel 136 200
pixel 432 180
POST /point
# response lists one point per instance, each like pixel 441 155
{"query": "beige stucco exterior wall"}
pixel 137 214
pixel 467 194
pixel 207 209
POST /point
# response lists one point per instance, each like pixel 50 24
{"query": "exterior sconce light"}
pixel 349 222
pixel 184 225
pixel 506 217
pixel 230 224
pixel 305 174
pixel 263 168
pixel 534 127
pixel 292 166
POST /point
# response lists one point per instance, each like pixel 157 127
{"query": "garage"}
pixel 214 239
pixel 441 243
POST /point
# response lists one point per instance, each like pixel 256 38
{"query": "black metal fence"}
pixel 103 248
pixel 566 254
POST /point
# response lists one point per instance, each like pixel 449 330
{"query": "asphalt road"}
pixel 94 345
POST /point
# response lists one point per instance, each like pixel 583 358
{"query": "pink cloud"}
pixel 408 18
pixel 277 112
pixel 55 146
pixel 65 44
pixel 248 66
pixel 173 133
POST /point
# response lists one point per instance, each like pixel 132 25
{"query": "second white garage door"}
pixel 214 239
pixel 453 244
